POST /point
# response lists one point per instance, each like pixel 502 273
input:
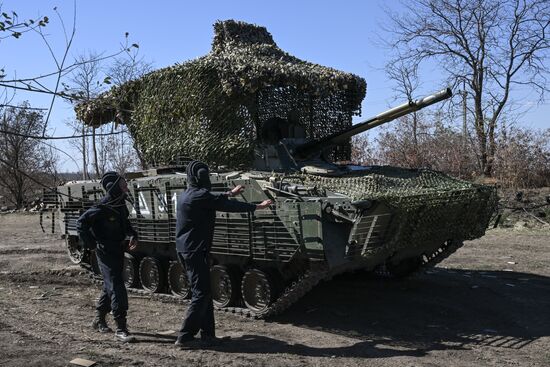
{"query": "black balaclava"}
pixel 110 182
pixel 198 175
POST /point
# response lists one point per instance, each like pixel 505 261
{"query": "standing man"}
pixel 105 227
pixel 196 214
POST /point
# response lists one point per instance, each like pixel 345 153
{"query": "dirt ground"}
pixel 487 305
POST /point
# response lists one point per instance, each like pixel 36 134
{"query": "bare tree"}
pixel 405 77
pixel 86 83
pixel 523 158
pixel 20 156
pixel 121 155
pixel 125 68
pixel 128 66
pixel 49 83
pixel 81 145
pixel 362 150
pixel 88 80
pixel 489 45
pixel 49 161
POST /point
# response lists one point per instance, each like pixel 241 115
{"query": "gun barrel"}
pixel 307 149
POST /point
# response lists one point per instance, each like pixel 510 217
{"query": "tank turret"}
pixel 284 148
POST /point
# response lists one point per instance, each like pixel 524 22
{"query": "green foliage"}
pixel 11 24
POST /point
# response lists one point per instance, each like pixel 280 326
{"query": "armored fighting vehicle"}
pixel 274 124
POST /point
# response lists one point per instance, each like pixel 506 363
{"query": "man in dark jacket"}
pixel 196 214
pixel 105 227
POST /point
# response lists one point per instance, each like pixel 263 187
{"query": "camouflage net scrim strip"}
pixel 213 107
pixel 430 207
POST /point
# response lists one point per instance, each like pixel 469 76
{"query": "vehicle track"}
pixel 297 289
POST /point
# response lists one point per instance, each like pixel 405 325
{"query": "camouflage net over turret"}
pixel 213 107
pixel 429 206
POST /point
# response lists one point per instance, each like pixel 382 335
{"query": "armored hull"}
pixel 385 219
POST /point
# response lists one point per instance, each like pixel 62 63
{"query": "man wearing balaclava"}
pixel 196 214
pixel 105 227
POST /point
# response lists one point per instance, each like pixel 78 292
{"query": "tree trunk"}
pixel 84 163
pixel 415 140
pixel 491 150
pixel 480 125
pixel 96 164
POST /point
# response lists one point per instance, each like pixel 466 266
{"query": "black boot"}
pixel 122 332
pixel 100 324
pixel 186 342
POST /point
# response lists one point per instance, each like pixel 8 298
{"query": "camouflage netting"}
pixel 429 206
pixel 212 108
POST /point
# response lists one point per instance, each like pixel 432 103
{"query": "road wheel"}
pixel 177 280
pixel 225 286
pixel 258 290
pixel 75 249
pixel 151 274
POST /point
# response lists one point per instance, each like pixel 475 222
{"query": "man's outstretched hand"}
pixel 236 190
pixel 264 204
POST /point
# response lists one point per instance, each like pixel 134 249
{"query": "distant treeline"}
pixel 522 155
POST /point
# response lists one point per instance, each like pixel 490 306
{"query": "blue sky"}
pixel 339 34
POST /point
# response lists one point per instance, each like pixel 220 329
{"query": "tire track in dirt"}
pixel 69 277
pixel 33 251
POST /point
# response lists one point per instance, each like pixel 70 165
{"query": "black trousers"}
pixel 200 314
pixel 113 297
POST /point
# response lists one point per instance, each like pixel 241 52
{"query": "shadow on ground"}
pixel 443 309
pixel 440 310
pixel 267 345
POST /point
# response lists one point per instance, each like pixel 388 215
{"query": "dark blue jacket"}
pixel 105 223
pixel 196 217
